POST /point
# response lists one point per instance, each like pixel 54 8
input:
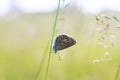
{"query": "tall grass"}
pixel 118 68
pixel 105 26
pixel 117 73
pixel 49 47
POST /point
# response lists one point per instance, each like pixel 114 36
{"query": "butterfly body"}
pixel 63 41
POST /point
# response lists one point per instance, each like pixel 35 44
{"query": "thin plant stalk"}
pixel 43 58
pixel 117 73
pixel 52 37
pixel 53 32
pixel 118 68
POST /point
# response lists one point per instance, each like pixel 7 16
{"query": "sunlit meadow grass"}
pixel 23 42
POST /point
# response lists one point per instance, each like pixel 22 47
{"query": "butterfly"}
pixel 63 41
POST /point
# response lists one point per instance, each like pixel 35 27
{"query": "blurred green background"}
pixel 24 38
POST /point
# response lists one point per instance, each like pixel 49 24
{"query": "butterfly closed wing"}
pixel 63 41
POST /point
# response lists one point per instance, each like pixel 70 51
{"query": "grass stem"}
pixel 52 37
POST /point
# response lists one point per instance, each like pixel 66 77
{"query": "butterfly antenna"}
pixel 59 56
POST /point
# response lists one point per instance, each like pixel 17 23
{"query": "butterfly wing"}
pixel 63 42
